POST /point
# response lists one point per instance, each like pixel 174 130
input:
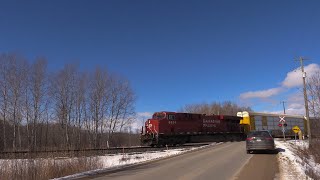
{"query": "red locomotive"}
pixel 171 128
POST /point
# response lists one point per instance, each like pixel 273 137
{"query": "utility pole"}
pixel 284 109
pixel 304 75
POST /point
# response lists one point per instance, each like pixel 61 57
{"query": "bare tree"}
pixel 121 105
pixel 126 104
pixel 80 104
pixel 98 101
pixel 66 109
pixel 63 90
pixel 4 69
pixel 38 101
pixel 313 88
pixel 16 81
pixel 26 111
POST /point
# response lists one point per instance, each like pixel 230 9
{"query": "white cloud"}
pixel 300 111
pixel 261 94
pixel 141 117
pixel 296 97
pixel 144 114
pixel 136 126
pixel 296 106
pixel 294 78
pixel 295 101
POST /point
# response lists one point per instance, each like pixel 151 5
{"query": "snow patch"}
pixel 292 166
pixel 118 161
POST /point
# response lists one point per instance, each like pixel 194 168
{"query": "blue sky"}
pixel 173 52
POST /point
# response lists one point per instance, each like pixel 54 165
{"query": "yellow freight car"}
pixel 272 122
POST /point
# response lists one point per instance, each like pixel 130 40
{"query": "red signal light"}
pixel 280 125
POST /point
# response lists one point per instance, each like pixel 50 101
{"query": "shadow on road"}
pixel 276 151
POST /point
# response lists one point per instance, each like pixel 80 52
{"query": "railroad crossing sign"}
pixel 282 122
pixel 296 129
pixel 282 119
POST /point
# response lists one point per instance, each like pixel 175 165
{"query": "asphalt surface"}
pixel 262 166
pixel 222 161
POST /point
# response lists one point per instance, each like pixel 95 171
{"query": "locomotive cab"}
pixel 152 125
pixel 152 128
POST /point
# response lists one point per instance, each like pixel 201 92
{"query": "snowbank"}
pixel 292 166
pixel 118 161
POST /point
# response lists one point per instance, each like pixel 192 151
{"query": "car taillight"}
pixel 249 138
pixel 269 138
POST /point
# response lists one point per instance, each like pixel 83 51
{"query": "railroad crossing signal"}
pixel 282 122
pixel 282 119
pixel 280 125
pixel 296 129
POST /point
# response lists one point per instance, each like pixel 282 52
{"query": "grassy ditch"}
pixel 312 153
pixel 41 169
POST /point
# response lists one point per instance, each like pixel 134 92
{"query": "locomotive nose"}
pixel 148 126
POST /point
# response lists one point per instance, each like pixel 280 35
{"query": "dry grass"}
pixel 315 149
pixel 311 153
pixel 41 169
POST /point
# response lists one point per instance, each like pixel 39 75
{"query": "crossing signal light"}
pixel 280 125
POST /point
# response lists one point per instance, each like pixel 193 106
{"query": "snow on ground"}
pixel 292 166
pixel 117 161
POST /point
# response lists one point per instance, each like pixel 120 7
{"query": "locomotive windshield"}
pixel 159 115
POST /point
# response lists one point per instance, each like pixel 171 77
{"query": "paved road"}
pixel 224 161
pixel 262 167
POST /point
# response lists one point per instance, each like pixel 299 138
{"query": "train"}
pixel 272 122
pixel 174 128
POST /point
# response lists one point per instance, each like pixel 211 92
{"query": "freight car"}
pixel 172 128
pixel 267 121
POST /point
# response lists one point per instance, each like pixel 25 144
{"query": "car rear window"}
pixel 259 134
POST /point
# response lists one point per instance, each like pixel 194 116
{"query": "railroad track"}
pixel 88 152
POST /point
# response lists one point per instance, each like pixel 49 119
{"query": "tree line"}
pixel 65 109
pixel 225 108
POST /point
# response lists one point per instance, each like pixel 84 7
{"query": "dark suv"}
pixel 259 140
